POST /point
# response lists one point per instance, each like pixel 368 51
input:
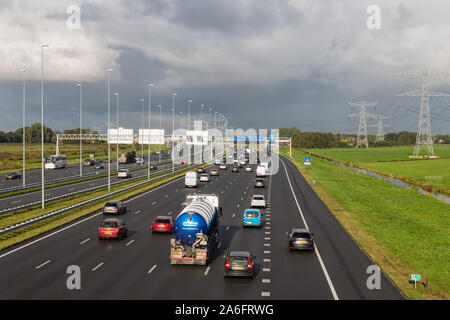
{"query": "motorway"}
pixel 70 171
pixel 138 267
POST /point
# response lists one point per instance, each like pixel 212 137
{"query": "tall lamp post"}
pixel 189 114
pixel 23 125
pixel 109 145
pixel 173 131
pixel 117 136
pixel 81 128
pixel 142 142
pixel 201 115
pixel 42 124
pixel 149 124
pixel 160 107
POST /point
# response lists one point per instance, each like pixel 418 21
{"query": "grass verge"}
pixel 402 231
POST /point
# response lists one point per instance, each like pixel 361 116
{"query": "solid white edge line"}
pixel 324 269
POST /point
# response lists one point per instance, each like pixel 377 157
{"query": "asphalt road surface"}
pixel 138 267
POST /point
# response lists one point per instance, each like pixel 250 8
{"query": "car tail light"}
pixel 292 239
pixel 250 266
pixel 227 264
pixel 310 239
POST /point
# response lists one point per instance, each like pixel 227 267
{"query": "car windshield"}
pixel 252 214
pixel 236 261
pixel 301 235
pixel 162 221
pixel 108 224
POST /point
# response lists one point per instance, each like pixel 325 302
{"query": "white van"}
pixel 260 171
pixel 191 179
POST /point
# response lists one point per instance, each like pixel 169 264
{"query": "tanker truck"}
pixel 195 230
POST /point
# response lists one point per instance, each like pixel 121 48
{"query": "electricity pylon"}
pixel 423 138
pixel 362 128
pixel 380 126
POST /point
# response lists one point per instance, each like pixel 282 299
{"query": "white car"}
pixel 258 201
pixel 124 173
pixel 223 167
pixel 140 160
pixel 248 169
pixel 204 177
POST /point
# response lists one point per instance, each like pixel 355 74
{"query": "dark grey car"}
pixel 301 239
pixel 114 207
pixel 239 264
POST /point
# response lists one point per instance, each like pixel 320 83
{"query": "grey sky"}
pixel 264 64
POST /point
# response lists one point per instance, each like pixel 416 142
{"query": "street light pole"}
pixel 201 115
pixel 117 135
pixel 142 142
pixel 23 125
pixel 81 126
pixel 109 145
pixel 149 125
pixel 173 131
pixel 42 124
pixel 160 107
pixel 189 114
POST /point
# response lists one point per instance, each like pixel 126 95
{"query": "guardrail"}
pixel 79 204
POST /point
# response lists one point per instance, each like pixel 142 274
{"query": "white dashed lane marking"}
pixel 98 266
pixel 43 264
pixel 151 270
pixel 207 270
pixel 129 243
pixel 84 241
pixel 265 280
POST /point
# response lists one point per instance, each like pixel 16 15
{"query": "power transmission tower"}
pixel 362 128
pixel 424 139
pixel 380 126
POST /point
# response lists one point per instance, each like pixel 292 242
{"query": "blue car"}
pixel 252 218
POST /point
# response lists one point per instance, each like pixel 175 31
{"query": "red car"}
pixel 113 228
pixel 163 224
pixel 183 161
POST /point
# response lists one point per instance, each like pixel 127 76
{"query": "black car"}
pixel 99 166
pixel 201 170
pixel 259 183
pixel 239 264
pixel 114 207
pixel 12 175
pixel 89 162
pixel 301 239
pixel 235 169
pixel 153 167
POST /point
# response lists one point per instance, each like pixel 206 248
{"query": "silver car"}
pixel 124 173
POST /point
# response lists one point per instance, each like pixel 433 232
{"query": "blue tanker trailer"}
pixel 195 230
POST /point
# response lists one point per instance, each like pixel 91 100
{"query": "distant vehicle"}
pixel 223 167
pixel 112 228
pixel 191 179
pixel 214 172
pixel 235 169
pixel 239 264
pixel 140 160
pixel 259 183
pixel 265 164
pixel 252 218
pixel 162 224
pixel 12 175
pixel 114 207
pixel 240 164
pixel 204 177
pixel 89 162
pixel 201 170
pixel 124 173
pixel 153 167
pixel 195 230
pixel 217 161
pixel 260 171
pixel 258 200
pixel 129 157
pixel 55 162
pixel 248 169
pixel 301 239
pixel 99 166
pixel 184 161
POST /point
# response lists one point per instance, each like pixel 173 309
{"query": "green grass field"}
pixel 403 231
pixel 11 153
pixel 394 161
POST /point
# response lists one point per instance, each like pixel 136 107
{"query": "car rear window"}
pixel 252 214
pixel 258 198
pixel 162 221
pixel 301 235
pixel 108 224
pixel 237 261
pixel 111 204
